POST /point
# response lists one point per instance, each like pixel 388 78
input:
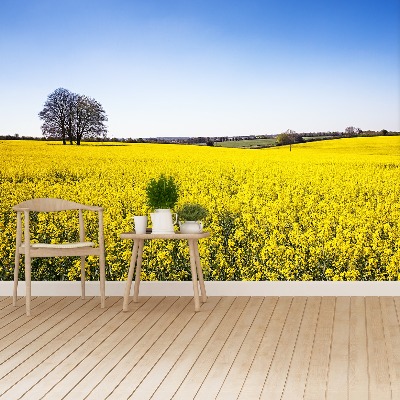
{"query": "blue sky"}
pixel 204 68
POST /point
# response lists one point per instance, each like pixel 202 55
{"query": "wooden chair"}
pixel 82 248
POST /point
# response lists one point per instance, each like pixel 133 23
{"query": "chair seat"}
pixel 75 245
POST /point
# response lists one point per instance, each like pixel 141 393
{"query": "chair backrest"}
pixel 50 205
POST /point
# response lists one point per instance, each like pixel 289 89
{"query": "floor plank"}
pixel 30 375
pixel 5 302
pixel 130 350
pixel 391 324
pixel 275 381
pixel 299 367
pixel 175 376
pixel 316 385
pixel 194 379
pixel 258 372
pixel 337 386
pixel 240 369
pixel 15 317
pixel 101 343
pixel 163 362
pixel 358 357
pixel 213 381
pixel 16 352
pixel 310 348
pixel 36 325
pixel 379 378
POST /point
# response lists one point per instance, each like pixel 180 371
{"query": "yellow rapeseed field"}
pixel 323 211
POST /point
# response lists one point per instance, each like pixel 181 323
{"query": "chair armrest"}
pixel 92 208
pixel 20 209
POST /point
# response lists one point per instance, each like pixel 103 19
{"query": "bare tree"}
pixel 89 120
pixel 72 116
pixel 71 121
pixel 55 114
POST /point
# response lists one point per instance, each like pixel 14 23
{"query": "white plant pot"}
pixel 191 227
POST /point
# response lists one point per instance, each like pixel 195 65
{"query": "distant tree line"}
pixel 72 117
pixel 286 138
pixel 291 137
pixel 16 136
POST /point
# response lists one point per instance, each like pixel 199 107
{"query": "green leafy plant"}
pixel 162 192
pixel 192 212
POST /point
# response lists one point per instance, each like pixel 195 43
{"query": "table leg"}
pixel 199 271
pixel 130 275
pixel 194 274
pixel 138 270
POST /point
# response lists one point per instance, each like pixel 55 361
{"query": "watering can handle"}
pixel 174 218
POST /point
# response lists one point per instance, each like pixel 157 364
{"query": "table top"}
pixel 175 236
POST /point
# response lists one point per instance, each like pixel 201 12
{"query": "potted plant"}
pixel 162 195
pixel 191 214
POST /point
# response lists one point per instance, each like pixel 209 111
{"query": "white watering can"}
pixel 163 220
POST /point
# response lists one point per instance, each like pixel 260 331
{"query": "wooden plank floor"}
pixel 234 348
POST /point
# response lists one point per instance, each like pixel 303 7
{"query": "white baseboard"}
pixel 213 288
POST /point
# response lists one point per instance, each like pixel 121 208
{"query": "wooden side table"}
pixel 136 259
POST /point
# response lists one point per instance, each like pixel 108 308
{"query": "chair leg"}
pixel 16 270
pixel 102 262
pixel 28 285
pixel 83 276
pixel 17 256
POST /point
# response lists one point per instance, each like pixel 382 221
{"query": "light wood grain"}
pixel 183 365
pixel 159 361
pixel 337 386
pixel 11 318
pixel 358 357
pixel 51 313
pixel 194 275
pixel 316 386
pixel 40 358
pixel 261 365
pixel 99 343
pixel 394 361
pixel 391 327
pixel 297 375
pixel 213 381
pixel 5 301
pixel 124 348
pixel 275 381
pixel 378 368
pixel 148 351
pixel 163 236
pixel 244 347
pixel 239 371
pixel 210 352
pixel 9 308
